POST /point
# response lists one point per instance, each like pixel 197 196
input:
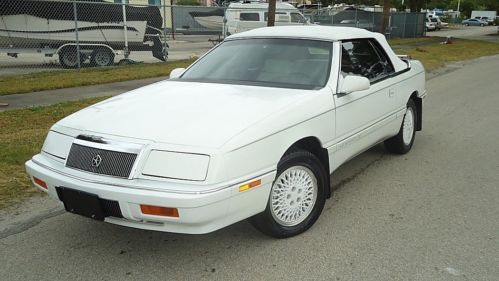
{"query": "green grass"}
pixel 50 80
pixel 22 133
pixel 434 55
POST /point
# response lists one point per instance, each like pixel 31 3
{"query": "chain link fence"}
pixel 39 35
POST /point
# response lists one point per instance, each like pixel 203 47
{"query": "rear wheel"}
pixel 297 196
pixel 102 57
pixel 68 57
pixel 402 142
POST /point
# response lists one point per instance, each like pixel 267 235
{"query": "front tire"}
pixel 402 142
pixel 296 198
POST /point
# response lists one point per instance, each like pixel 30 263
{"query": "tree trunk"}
pixel 386 16
pixel 271 13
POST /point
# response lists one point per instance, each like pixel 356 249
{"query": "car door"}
pixel 361 115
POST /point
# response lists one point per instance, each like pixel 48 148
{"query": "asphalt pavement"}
pixel 431 214
pixel 483 33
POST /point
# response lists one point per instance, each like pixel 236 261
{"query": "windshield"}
pixel 288 63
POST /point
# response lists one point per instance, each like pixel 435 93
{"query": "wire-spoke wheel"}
pixel 296 198
pixel 403 141
pixel 293 196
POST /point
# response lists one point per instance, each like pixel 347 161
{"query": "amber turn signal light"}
pixel 41 183
pixel 159 211
pixel 250 185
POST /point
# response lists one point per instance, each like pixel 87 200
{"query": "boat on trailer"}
pixel 49 28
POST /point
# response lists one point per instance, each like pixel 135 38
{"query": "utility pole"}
pixel 386 16
pixel 271 13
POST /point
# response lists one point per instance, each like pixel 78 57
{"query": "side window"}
pixel 360 57
pixel 249 17
pixel 297 17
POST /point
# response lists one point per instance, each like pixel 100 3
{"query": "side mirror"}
pixel 353 83
pixel 176 73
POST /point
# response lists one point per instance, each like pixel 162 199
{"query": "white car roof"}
pixel 334 33
pixel 318 32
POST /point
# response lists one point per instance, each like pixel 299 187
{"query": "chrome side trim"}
pixel 216 189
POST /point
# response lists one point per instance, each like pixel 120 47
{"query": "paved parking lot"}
pixel 486 33
pixel 428 215
pixel 181 48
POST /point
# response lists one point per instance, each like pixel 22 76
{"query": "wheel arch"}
pixel 85 47
pixel 419 107
pixel 313 145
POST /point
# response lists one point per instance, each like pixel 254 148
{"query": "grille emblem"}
pixel 96 161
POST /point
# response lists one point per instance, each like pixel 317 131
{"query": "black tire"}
pixel 305 162
pixel 102 57
pixel 397 144
pixel 68 57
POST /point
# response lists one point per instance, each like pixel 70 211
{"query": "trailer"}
pixel 85 30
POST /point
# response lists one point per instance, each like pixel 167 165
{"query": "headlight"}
pixel 57 145
pixel 176 165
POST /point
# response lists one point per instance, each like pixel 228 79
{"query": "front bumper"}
pixel 198 212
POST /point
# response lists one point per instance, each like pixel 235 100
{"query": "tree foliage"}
pixel 466 6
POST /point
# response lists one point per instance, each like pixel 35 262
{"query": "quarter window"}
pixel 249 17
pixel 365 58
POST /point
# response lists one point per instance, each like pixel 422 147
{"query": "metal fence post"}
pixel 405 22
pixel 75 14
pixel 416 27
pixel 164 28
pixel 373 23
pixel 173 26
pixel 125 29
pixel 224 23
pixel 356 21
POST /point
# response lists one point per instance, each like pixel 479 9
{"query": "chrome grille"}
pixel 111 163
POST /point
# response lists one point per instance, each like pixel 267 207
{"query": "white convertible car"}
pixel 253 129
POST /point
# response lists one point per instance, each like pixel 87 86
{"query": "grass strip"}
pixel 434 55
pixel 22 133
pixel 51 80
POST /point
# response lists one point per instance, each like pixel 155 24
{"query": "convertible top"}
pixel 330 33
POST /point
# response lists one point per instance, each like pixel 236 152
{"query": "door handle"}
pixel 391 93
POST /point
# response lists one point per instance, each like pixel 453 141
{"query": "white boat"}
pixel 212 19
pixel 48 25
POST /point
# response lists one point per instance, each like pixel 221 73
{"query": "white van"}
pixel 246 16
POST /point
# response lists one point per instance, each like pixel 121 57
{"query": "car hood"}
pixel 183 113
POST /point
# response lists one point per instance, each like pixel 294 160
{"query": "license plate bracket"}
pixel 81 203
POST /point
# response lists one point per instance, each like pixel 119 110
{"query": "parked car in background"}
pixel 487 20
pixel 439 23
pixel 246 16
pixel 473 22
pixel 253 129
pixel 436 22
pixel 429 25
